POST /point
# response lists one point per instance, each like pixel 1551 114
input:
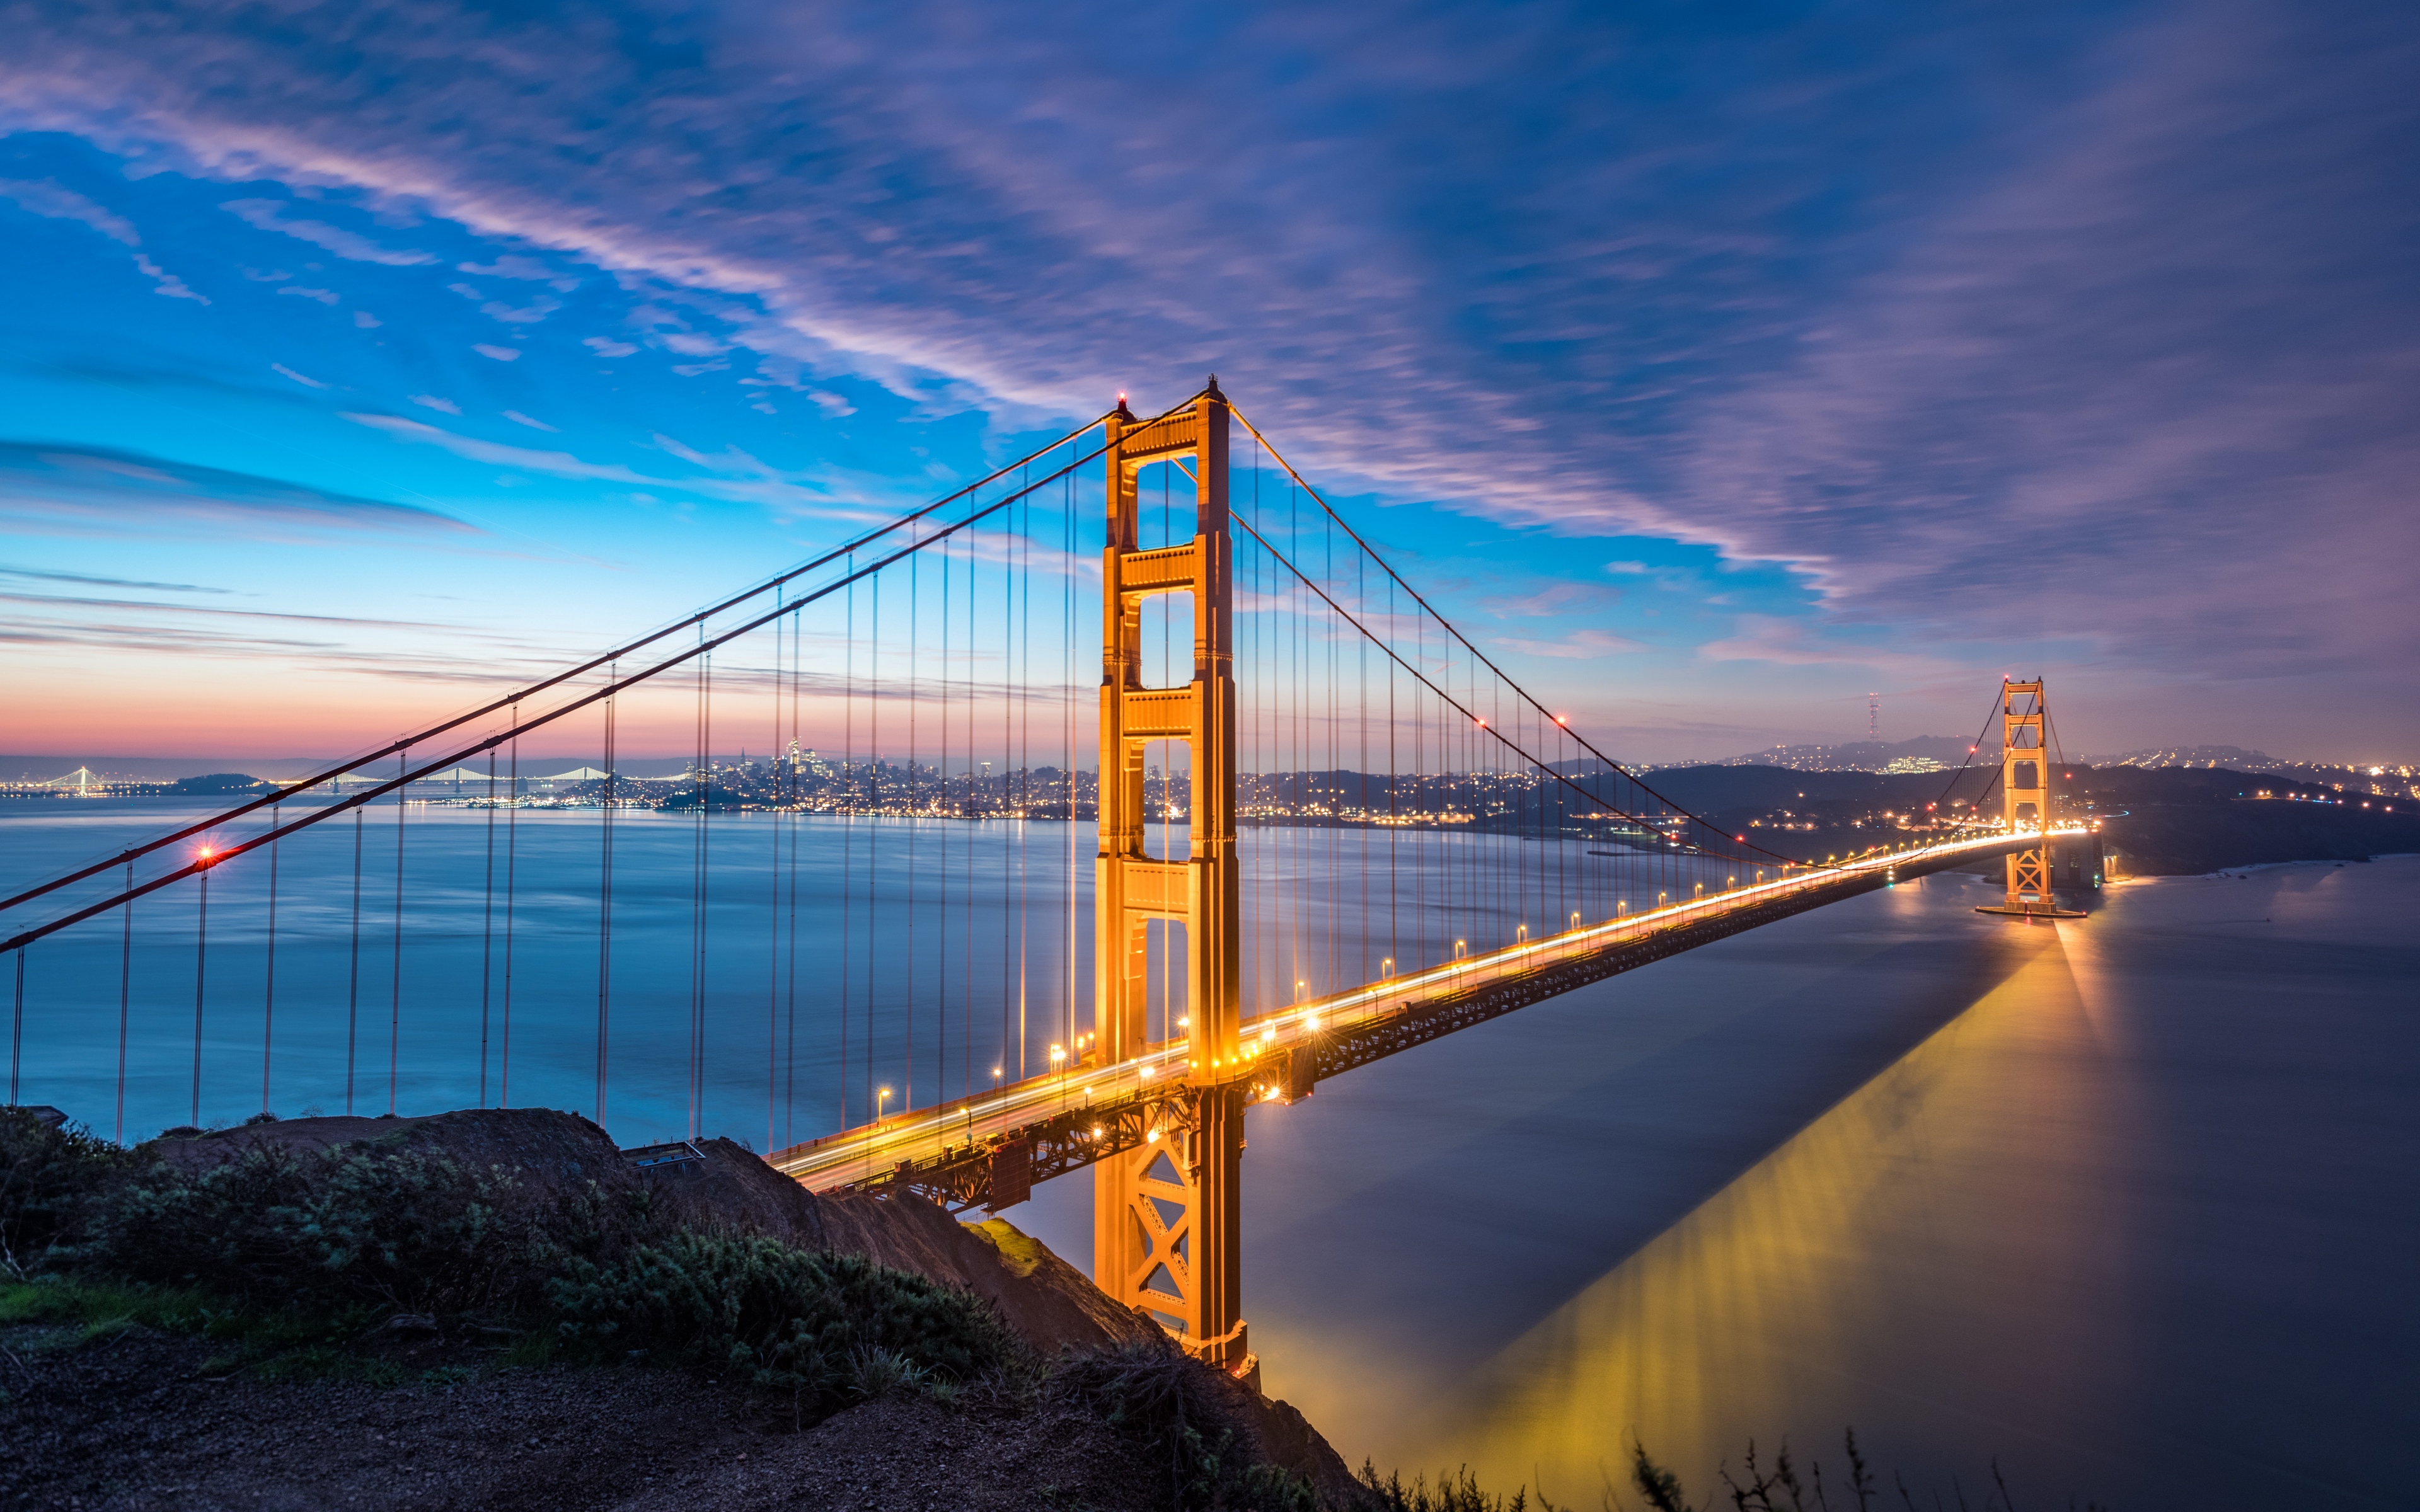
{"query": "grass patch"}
pixel 270 1344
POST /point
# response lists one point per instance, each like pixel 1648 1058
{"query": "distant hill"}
pixel 220 782
pixel 2166 821
pixel 1923 753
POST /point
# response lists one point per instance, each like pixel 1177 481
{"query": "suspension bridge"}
pixel 981 915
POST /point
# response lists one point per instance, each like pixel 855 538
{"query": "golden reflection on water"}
pixel 1865 1273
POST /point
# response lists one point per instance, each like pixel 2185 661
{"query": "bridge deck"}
pixel 1069 1119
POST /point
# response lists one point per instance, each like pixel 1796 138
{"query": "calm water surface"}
pixel 2131 1204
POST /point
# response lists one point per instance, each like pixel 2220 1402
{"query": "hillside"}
pixel 2163 821
pixel 499 1310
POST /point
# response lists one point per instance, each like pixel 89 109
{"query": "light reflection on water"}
pixel 2129 1205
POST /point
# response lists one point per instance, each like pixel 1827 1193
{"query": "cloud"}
pixel 519 419
pixel 558 464
pixel 502 354
pixel 366 321
pixel 432 401
pixel 107 583
pixel 1576 645
pixel 527 315
pixel 1551 599
pixel 169 284
pixel 1792 643
pixel 605 347
pixel 510 266
pixel 325 296
pixel 47 197
pixel 285 371
pixel 2119 286
pixel 266 214
pixel 82 489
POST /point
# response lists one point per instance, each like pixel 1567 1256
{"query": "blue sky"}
pixel 1719 365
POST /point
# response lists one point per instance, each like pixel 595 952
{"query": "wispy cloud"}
pixel 86 490
pixel 501 354
pixel 553 464
pixel 2128 286
pixel 519 419
pixel 1577 645
pixel 40 576
pixel 284 371
pixel 432 401
pixel 269 215
pixel 48 197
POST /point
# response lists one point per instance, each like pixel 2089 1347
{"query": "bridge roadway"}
pixel 990 1147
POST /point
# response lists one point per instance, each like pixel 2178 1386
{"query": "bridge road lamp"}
pixel 872 1130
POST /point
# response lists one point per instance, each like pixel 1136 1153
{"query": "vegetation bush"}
pixel 328 1242
pixel 50 1179
pixel 1158 1396
pixel 828 1327
pixel 350 1224
pixel 1756 1489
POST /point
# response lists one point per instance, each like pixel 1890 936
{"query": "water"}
pixel 819 936
pixel 2129 1204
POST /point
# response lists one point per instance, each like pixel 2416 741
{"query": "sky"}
pixel 1718 366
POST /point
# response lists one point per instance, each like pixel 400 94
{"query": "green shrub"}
pixel 270 1225
pixel 51 1177
pixel 1158 1397
pixel 356 1224
pixel 828 1327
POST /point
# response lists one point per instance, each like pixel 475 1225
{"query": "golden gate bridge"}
pixel 1013 918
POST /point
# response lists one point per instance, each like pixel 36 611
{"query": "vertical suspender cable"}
pixel 874 829
pixel 353 979
pixel 16 1033
pixel 915 634
pixel 268 977
pixel 1067 762
pixel 201 960
pixel 605 894
pixel 790 992
pixel 394 977
pixel 773 908
pixel 512 858
pixel 487 930
pixel 849 818
pixel 125 999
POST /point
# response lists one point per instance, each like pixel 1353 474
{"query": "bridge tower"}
pixel 2026 798
pixel 1167 1231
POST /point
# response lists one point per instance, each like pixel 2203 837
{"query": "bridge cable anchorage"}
pixel 517 727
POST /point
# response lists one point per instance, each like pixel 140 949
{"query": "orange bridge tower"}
pixel 2026 798
pixel 1167 1232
